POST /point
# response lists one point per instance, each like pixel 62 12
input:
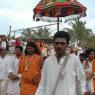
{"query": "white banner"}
pixel 49 19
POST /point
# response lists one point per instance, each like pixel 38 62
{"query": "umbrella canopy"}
pixel 58 8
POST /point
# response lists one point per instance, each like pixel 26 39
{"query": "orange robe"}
pixel 29 68
pixel 93 70
pixel 40 45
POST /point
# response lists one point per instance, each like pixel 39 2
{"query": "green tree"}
pixel 79 31
pixel 39 33
pixel 91 41
pixel 43 33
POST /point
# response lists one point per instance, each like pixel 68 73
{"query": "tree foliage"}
pixel 81 34
pixel 39 33
pixel 91 41
pixel 43 33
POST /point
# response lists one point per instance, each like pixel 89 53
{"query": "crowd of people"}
pixel 10 43
pixel 32 67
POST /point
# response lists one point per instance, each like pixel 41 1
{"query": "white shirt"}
pixel 3 44
pixel 90 82
pixel 13 86
pixel 4 64
pixel 67 85
pixel 11 42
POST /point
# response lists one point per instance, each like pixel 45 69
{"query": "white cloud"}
pixel 18 4
pixel 16 15
pixel 20 13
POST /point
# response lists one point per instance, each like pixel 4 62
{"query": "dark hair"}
pixel 0 48
pixel 82 54
pixel 88 51
pixel 19 47
pixel 32 44
pixel 62 34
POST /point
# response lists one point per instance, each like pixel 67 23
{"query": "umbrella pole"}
pixel 57 24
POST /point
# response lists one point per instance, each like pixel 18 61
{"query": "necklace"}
pixel 28 62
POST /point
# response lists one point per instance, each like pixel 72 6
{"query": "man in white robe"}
pixel 52 66
pixel 13 85
pixel 5 60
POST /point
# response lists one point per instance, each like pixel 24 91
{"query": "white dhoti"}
pixel 13 88
pixel 13 94
pixel 3 87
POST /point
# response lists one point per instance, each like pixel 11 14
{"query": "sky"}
pixel 19 14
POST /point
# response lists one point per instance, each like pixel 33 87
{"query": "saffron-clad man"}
pixel 29 69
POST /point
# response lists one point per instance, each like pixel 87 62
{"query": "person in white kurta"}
pixel 89 68
pixel 52 66
pixel 11 46
pixel 3 44
pixel 5 60
pixel 90 82
pixel 13 85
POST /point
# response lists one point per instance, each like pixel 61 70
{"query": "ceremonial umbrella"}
pixel 58 8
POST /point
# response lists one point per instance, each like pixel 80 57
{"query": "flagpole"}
pixel 57 24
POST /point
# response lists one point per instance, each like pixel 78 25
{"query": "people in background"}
pixel 82 57
pixel 89 67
